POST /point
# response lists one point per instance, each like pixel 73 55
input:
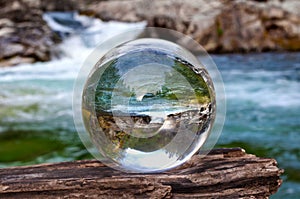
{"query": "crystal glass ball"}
pixel 148 105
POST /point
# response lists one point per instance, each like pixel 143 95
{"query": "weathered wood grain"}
pixel 224 173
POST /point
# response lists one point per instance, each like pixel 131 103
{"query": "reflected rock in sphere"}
pixel 148 106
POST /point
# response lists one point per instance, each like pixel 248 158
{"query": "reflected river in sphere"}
pixel 146 107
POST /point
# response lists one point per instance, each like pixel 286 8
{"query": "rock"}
pixel 16 60
pixel 291 6
pixel 6 31
pixel 12 49
pixel 273 13
pixel 6 22
pixel 24 35
pixel 58 5
pixel 218 25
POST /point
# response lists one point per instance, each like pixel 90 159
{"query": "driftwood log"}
pixel 224 173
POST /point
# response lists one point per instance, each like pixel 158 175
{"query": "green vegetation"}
pixel 145 144
pixel 252 149
pixel 106 85
pixel 31 147
pixel 12 111
pixel 293 174
pixel 173 88
pixel 179 84
pixel 220 31
pixel 27 147
pixel 166 93
pixel 196 81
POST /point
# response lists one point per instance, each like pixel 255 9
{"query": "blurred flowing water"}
pixel 263 110
pixel 263 106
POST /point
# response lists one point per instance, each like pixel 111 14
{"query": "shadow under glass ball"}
pixel 147 108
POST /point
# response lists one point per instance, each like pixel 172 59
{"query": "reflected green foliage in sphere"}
pixel 147 107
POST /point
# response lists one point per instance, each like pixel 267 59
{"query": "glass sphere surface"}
pixel 146 107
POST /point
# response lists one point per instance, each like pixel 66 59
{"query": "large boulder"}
pixel 24 35
pixel 219 25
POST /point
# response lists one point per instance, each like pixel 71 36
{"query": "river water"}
pixel 263 107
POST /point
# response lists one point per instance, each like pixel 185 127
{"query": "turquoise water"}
pixel 263 110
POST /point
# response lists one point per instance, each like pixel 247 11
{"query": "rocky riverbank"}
pixel 218 25
pixel 221 26
pixel 24 35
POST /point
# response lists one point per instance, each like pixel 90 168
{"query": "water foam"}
pixel 39 92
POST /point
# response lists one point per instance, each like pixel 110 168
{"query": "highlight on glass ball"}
pixel 147 106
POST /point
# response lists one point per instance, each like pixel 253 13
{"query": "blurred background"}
pixel 255 44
